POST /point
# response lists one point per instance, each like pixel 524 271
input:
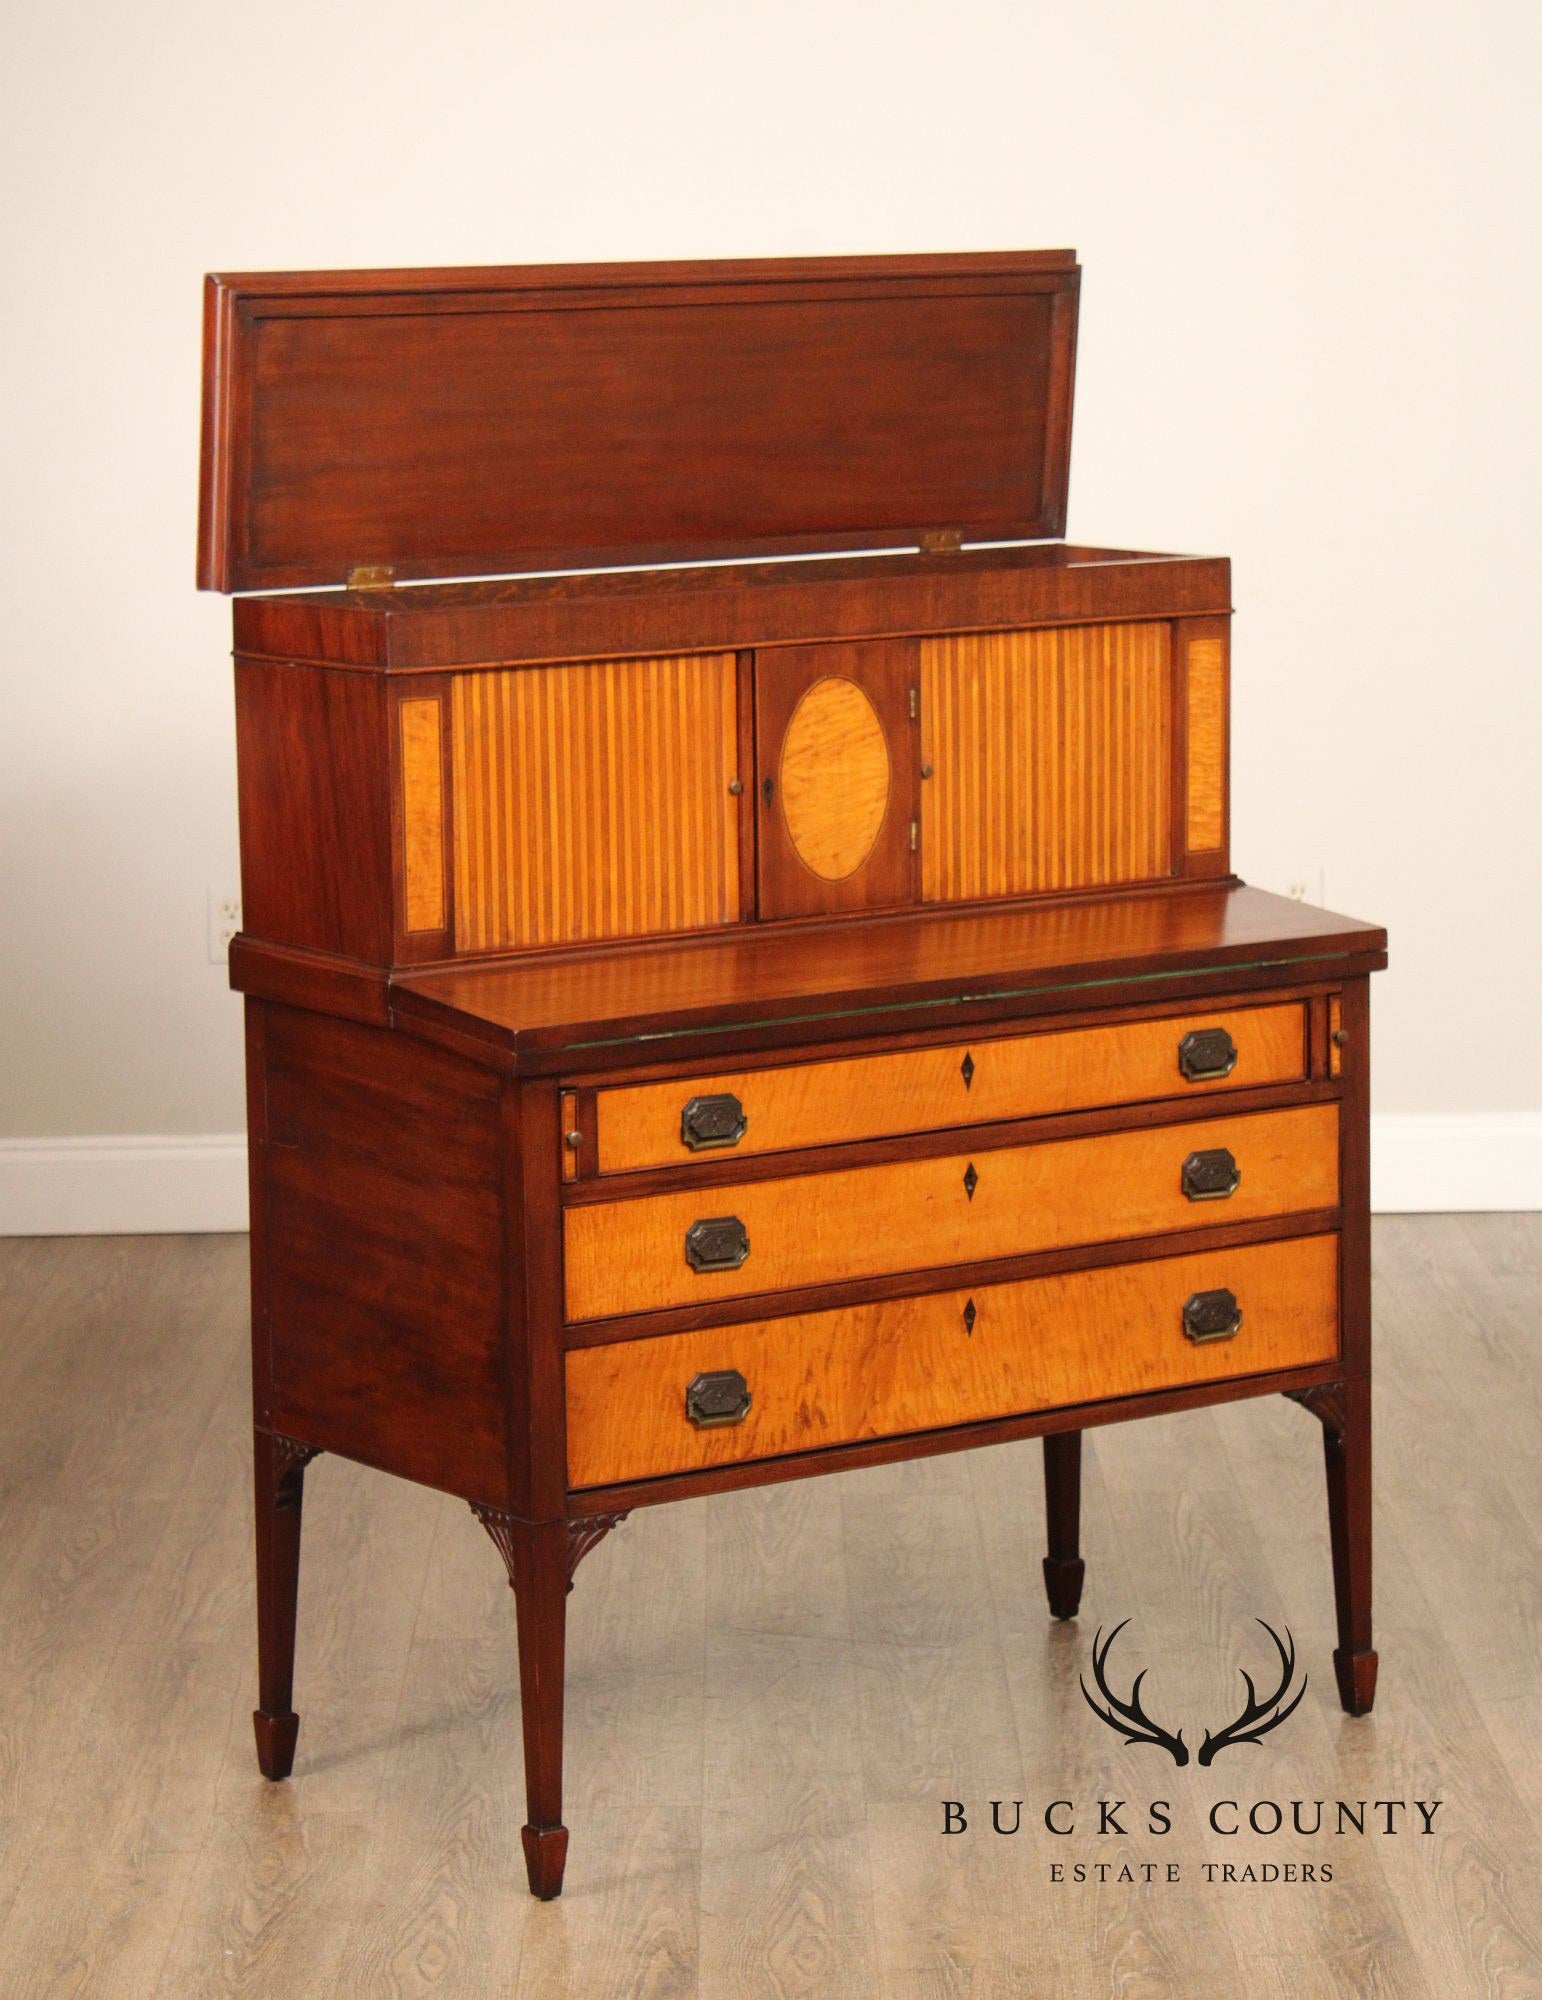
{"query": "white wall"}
pixel 1310 339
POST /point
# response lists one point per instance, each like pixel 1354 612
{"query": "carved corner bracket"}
pixel 289 1453
pixel 582 1535
pixel 1326 1403
pixel 289 1459
pixel 587 1534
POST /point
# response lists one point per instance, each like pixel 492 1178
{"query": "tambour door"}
pixel 1047 759
pixel 836 777
pixel 556 805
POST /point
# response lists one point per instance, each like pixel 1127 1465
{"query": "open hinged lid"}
pixel 479 422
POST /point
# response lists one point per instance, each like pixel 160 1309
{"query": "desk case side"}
pixel 381 1323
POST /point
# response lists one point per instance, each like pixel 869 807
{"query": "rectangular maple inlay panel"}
pixel 893 1366
pixel 592 801
pixel 1206 745
pixel 1050 758
pixel 422 814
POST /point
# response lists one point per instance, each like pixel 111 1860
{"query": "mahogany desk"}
pixel 731 1022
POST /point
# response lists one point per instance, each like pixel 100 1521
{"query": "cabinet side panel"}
pixel 384 1251
pixel 315 809
pixel 1049 754
pixel 592 801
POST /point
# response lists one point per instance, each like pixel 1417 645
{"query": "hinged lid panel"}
pixel 474 422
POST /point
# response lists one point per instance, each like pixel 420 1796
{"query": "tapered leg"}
pixel 540 1564
pixel 1347 1451
pixel 540 1607
pixel 1063 1566
pixel 280 1490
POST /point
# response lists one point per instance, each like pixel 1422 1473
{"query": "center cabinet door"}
pixel 837 777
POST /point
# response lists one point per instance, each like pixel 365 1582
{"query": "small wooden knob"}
pixel 735 787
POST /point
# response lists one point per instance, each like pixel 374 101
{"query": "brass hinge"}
pixel 940 541
pixel 915 835
pixel 371 576
pixel 915 704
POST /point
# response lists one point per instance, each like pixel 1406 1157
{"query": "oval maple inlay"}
pixel 834 778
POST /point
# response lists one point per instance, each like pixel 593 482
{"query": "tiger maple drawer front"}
pixel 765 1388
pixel 905 1215
pixel 916 1090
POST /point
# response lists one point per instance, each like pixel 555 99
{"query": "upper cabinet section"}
pixel 502 809
pixel 580 724
pixel 478 422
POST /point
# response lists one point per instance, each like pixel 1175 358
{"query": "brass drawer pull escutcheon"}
pixel 1211 1316
pixel 1205 1053
pixel 721 1396
pixel 716 1243
pixel 1211 1176
pixel 713 1121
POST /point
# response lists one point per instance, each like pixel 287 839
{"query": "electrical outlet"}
pixel 224 918
pixel 1316 888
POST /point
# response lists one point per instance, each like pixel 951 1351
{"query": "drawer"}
pixel 918 1090
pixel 640 1255
pixel 898 1365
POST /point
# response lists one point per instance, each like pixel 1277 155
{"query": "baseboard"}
pixel 1440 1162
pixel 1421 1163
pixel 134 1185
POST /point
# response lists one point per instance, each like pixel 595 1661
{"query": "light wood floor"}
pixel 769 1694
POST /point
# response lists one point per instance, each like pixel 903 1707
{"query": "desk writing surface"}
pixel 765 974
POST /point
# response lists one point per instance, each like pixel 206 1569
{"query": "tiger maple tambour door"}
pixel 720 1009
pixel 593 801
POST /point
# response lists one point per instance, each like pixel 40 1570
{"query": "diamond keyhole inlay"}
pixel 971 1180
pixel 966 1070
pixel 969 1317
